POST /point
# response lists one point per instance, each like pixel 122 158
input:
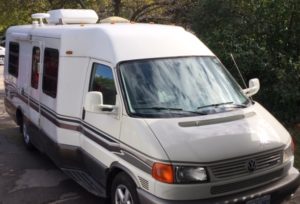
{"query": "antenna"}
pixel 238 70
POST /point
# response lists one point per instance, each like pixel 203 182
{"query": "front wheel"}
pixel 123 190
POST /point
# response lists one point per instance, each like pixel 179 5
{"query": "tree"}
pixel 264 37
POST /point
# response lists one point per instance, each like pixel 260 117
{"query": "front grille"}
pixel 247 183
pixel 239 167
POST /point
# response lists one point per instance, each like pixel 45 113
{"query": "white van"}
pixel 143 113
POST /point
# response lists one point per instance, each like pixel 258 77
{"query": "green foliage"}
pixel 104 82
pixel 18 12
pixel 264 37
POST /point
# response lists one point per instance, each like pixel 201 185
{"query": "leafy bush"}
pixel 264 36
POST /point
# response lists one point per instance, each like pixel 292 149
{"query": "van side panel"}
pixel 23 81
pixel 74 161
pixel 71 80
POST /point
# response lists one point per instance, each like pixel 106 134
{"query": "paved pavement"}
pixel 29 177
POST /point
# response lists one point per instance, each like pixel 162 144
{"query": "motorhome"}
pixel 143 113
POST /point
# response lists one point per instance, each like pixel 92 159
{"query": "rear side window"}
pixel 102 80
pixel 35 67
pixel 13 59
pixel 50 74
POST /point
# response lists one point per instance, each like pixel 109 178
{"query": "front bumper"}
pixel 278 190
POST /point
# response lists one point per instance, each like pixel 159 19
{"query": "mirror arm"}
pixel 250 91
pixel 110 107
pixel 246 91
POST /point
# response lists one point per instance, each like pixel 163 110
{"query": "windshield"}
pixel 179 87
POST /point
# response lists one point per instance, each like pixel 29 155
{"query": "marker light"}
pixel 288 152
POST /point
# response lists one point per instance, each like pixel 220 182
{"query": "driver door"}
pixel 102 124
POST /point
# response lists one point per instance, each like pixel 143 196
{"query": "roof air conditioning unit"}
pixel 72 16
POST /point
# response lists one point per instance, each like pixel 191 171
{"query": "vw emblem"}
pixel 251 165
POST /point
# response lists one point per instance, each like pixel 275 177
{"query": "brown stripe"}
pixel 143 162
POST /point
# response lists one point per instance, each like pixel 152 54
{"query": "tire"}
pixel 26 135
pixel 123 190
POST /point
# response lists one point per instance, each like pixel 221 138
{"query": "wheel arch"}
pixel 114 170
pixel 19 116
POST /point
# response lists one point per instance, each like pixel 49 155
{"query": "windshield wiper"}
pixel 159 108
pixel 170 109
pixel 226 103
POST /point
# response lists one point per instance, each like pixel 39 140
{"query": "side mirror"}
pixel 254 87
pixel 94 102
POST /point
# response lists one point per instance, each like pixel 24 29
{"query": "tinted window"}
pixel 35 67
pixel 102 80
pixel 51 60
pixel 13 63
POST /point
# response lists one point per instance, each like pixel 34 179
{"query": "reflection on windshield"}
pixel 178 84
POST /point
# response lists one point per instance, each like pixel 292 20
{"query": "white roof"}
pixel 121 42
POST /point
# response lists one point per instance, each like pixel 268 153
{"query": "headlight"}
pixel 288 152
pixel 179 174
pixel 188 174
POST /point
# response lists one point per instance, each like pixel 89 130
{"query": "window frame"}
pixel 38 64
pixel 92 78
pixel 13 70
pixel 46 76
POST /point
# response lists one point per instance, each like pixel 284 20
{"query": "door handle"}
pixel 83 114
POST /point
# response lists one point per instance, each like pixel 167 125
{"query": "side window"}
pixel 102 80
pixel 35 67
pixel 50 74
pixel 13 59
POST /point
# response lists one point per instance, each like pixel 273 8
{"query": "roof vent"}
pixel 114 19
pixel 72 16
pixel 40 17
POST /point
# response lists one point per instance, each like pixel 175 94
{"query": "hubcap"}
pixel 25 134
pixel 123 195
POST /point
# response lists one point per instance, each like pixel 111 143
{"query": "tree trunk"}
pixel 117 7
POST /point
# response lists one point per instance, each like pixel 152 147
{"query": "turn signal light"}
pixel 163 172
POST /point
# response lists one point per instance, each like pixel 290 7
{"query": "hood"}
pixel 219 136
